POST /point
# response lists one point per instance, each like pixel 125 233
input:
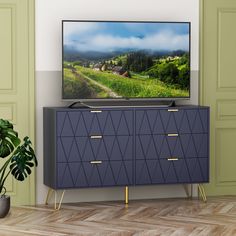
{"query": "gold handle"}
pixel 173 159
pixel 95 162
pixel 173 110
pixel 96 111
pixel 126 194
pixel 173 135
pixel 96 136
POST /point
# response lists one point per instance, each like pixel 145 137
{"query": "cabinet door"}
pixel 185 121
pixel 175 171
pixel 162 171
pixel 158 146
pixel 171 146
pixel 74 149
pixel 172 121
pixel 89 122
pixel 87 174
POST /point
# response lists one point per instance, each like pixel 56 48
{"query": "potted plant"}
pixel 20 158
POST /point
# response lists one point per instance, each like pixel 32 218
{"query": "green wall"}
pixel 218 90
pixel 17 81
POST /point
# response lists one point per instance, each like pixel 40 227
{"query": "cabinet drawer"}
pixel 94 122
pixel 168 121
pixel 164 146
pixel 184 146
pixel 193 170
pixel 74 149
pixel 86 174
pixel 161 172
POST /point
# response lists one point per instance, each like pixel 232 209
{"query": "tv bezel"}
pixel 124 98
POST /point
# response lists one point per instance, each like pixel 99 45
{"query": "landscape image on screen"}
pixel 125 60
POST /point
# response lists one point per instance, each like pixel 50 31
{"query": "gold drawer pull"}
pixel 173 159
pixel 96 111
pixel 173 110
pixel 173 135
pixel 95 162
pixel 96 136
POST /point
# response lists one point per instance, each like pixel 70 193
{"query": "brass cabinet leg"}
pixel 202 192
pixel 55 200
pixel 126 194
pixel 186 189
pixel 48 196
pixel 191 187
pixel 56 206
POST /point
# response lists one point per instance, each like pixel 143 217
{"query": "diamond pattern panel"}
pixel 198 169
pixel 148 122
pixel 158 146
pixel 181 170
pixel 162 146
pixel 149 172
pixel 153 152
pixel 160 121
pixel 149 146
pixel 64 176
pixel 66 129
pixel 86 123
pixel 163 171
pixel 60 121
pixel 195 145
pixel 176 171
pixel 74 149
pixel 154 147
pixel 85 174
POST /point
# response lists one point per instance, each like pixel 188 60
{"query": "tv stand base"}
pixel 122 103
pixel 172 104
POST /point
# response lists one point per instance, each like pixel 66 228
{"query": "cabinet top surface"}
pixel 127 108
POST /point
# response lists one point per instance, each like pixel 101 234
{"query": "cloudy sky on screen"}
pixel 111 36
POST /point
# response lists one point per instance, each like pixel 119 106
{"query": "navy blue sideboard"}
pixel 125 146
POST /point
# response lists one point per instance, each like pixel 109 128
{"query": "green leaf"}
pixel 23 160
pixel 21 157
pixel 4 150
pixel 14 139
pixel 8 138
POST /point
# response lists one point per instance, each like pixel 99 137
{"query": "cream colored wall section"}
pixel 48 65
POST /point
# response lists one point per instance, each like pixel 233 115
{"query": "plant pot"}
pixel 4 205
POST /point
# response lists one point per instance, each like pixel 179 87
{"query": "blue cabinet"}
pixel 172 146
pixel 125 146
pixel 88 148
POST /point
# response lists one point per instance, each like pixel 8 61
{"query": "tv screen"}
pixel 116 60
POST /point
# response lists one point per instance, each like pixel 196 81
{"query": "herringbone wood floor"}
pixel 175 217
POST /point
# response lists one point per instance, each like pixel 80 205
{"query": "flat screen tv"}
pixel 125 60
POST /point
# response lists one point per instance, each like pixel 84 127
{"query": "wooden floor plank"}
pixel 164 217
